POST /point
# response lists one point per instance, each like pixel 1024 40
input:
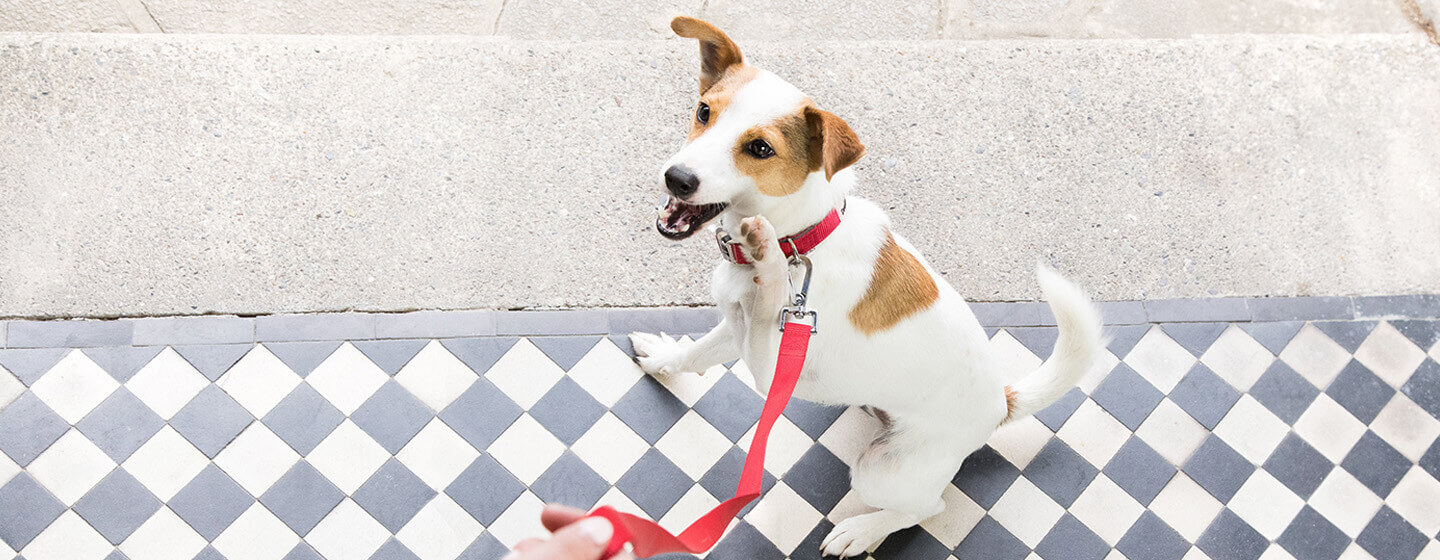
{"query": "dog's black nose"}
pixel 681 181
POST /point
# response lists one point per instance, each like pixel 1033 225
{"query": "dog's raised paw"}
pixel 656 354
pixel 758 238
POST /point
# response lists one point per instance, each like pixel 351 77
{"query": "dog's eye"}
pixel 702 113
pixel 760 149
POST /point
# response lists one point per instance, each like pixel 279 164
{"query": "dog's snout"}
pixel 681 181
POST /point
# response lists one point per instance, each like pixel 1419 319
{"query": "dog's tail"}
pixel 1079 344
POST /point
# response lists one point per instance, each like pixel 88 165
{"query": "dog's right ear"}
pixel 717 52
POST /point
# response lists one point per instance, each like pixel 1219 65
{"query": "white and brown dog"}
pixel 893 335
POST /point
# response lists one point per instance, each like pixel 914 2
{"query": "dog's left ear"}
pixel 717 52
pixel 833 145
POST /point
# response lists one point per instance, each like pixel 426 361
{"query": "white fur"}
pixel 932 373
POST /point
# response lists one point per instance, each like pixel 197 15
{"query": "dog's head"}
pixel 752 135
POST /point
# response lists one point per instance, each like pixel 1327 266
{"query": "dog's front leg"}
pixel 663 355
pixel 763 304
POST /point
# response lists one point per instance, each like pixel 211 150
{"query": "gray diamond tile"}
pixel 485 547
pixel 124 361
pixel 731 406
pixel 650 409
pixel 990 540
pixel 1424 387
pixel 722 478
pixel 392 416
pixel 302 357
pixel 1310 535
pixel 811 418
pixel 481 413
pixel 1348 334
pixel 1127 396
pixel 1218 468
pixel 1195 337
pixel 29 364
pixel 393 495
pixel 1205 396
pixel 26 509
pixel 568 411
pixel 1424 333
pixel 1060 472
pixel 209 553
pixel 985 476
pixel 211 502
pixel 571 482
pixel 565 351
pixel 1273 336
pixel 1151 539
pixel 1139 470
pixel 163 331
pixel 1431 460
pixel 327 326
pixel 1039 340
pixel 1298 466
pixel 912 543
pixel 1301 309
pixel 1231 538
pixel 1124 338
pixel 1194 310
pixel 1284 392
pixel 654 484
pixel 479 353
pixel 82 333
pixel 114 555
pixel 485 489
pixel 117 506
pixel 211 420
pixel 302 497
pixel 1360 391
pixel 28 427
pixel 809 548
pixel 1390 537
pixel 1070 539
pixel 1415 307
pixel 213 360
pixel 1055 415
pixel 390 355
pixel 819 477
pixel 393 550
pixel 744 542
pixel 302 551
pixel 435 324
pixel 120 425
pixel 1376 464
pixel 303 418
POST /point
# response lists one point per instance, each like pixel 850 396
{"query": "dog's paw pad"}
pixel 758 236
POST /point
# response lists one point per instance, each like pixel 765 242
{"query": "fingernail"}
pixel 597 528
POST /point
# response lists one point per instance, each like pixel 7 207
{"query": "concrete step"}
pixel 160 174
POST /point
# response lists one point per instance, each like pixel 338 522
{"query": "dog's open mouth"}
pixel 678 220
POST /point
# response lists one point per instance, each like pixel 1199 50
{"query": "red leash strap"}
pixel 649 539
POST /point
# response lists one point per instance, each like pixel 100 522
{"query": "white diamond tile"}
pixel 167 383
pixel 442 529
pixel 694 445
pixel 1330 428
pixel 437 455
pixel 68 538
pixel 850 505
pixel 1313 355
pixel 1094 433
pixel 1021 440
pixel 1186 507
pixel 1012 360
pixel 741 371
pixel 1417 499
pixel 1276 552
pixel 436 376
pixel 74 386
pixel 257 458
pixel 691 387
pixel 526 449
pixel 347 533
pixel 524 374
pixel 783 517
pixel 8 469
pixel 1354 552
pixel 606 373
pixel 1390 355
pixel 1114 555
pixel 695 503
pixel 5 550
pixel 1160 360
pixel 259 381
pixel 1266 504
pixel 347 378
pixel 1237 358
pixel 1105 362
pixel 71 467
pixel 1431 551
pixel 1172 432
pixel 520 521
pixel 257 534
pixel 1406 426
pixel 1252 429
pixel 348 457
pixel 1345 501
pixel 10 388
pixel 166 463
pixel 1106 509
pixel 618 500
pixel 1435 351
pixel 961 514
pixel 851 433
pixel 1027 512
pixel 163 537
pixel 610 448
pixel 788 443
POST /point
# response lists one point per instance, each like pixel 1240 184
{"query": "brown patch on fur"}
pixel 833 144
pixel 1010 404
pixel 784 172
pixel 717 52
pixel 899 287
pixel 1417 16
pixel 718 96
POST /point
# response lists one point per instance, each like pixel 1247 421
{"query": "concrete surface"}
pixel 155 174
pixel 746 19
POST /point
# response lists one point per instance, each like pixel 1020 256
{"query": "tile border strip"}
pixel 230 329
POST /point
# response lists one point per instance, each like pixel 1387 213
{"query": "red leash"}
pixel 649 539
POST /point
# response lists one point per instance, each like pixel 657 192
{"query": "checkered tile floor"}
pixel 1306 440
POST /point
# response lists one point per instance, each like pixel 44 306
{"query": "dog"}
pixel 892 335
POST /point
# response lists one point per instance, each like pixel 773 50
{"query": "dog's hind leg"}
pixel 904 472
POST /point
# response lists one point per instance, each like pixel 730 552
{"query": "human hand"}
pixel 575 538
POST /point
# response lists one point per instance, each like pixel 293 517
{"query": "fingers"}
pixel 556 517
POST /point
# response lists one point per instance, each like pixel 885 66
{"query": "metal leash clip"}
pixel 796 311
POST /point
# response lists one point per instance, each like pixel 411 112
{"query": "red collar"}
pixel 800 243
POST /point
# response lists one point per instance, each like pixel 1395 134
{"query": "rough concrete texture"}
pixel 746 19
pixel 180 174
